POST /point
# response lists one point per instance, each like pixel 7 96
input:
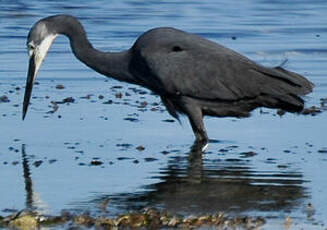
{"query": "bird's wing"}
pixel 192 66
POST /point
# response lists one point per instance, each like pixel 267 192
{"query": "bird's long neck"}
pixel 110 64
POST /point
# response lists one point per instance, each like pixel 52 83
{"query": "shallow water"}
pixel 90 151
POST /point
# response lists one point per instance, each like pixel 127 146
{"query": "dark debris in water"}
pixel 96 162
pixel 109 102
pixel 124 146
pixel 66 100
pixel 147 219
pixel 150 159
pixel 248 154
pixel 140 148
pixel 37 163
pixel 60 86
pixel 313 110
pixel 87 97
pixel 323 150
pixel 131 119
pixel 54 107
pixel 168 120
pixel 4 99
pixel 124 158
pixel 323 102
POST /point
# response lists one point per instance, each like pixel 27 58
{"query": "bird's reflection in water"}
pixel 192 184
pixel 33 201
pixel 27 180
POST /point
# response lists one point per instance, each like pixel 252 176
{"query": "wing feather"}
pixel 175 62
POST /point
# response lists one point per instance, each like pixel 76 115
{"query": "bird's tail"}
pixel 305 86
pixel 285 89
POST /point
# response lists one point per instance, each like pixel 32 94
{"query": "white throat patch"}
pixel 41 51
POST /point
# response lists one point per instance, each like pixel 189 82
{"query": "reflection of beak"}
pixel 33 67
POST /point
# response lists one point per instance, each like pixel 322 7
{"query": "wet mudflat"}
pixel 93 145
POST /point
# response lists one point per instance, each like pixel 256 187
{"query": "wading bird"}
pixel 192 75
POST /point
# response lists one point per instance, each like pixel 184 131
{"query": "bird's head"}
pixel 38 43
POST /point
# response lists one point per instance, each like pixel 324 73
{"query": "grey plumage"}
pixel 192 75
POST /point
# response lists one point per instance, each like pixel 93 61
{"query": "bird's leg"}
pixel 199 130
pixel 196 119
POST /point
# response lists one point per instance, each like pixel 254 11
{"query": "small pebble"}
pixel 87 97
pixel 96 162
pixel 123 158
pixel 117 87
pixel 323 150
pixel 119 95
pixel 68 100
pixel 37 163
pixel 168 120
pixel 108 102
pixel 143 104
pixel 280 112
pixel 150 159
pixel 248 154
pixel 282 166
pixel 140 148
pixel 59 86
pixel 131 119
pixel 4 99
pixel 51 161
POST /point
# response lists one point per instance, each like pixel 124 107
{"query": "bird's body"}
pixel 192 75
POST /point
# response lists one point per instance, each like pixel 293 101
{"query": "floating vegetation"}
pixel 149 218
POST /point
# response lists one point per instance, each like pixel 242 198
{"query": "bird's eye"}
pixel 177 49
pixel 30 46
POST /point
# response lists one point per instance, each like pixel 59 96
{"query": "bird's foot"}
pixel 204 147
pixel 199 145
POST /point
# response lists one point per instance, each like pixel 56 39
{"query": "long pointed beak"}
pixel 31 74
pixel 37 56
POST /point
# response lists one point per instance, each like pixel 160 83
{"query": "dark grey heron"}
pixel 192 75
